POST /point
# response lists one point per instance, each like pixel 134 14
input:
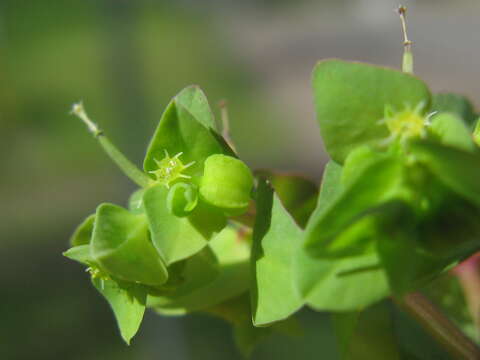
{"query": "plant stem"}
pixel 226 124
pixel 440 327
pixel 468 274
pixel 127 167
pixel 407 62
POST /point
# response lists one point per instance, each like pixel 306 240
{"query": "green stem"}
pixel 407 61
pixel 468 275
pixel 440 327
pixel 127 167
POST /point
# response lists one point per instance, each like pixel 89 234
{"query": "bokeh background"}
pixel 125 60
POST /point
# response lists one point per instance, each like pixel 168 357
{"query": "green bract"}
pixel 232 255
pixel 174 237
pixel 122 247
pixel 351 98
pixel 275 236
pixel 186 128
pixel 182 199
pixel 83 233
pixel 455 104
pixel 449 129
pixel 127 301
pixel 346 225
pixel 345 284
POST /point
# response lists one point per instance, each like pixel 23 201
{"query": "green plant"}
pixel 398 207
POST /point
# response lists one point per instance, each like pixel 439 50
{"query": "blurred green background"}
pixel 125 60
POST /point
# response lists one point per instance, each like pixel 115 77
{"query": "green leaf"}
pixel 342 284
pixel 135 202
pixel 345 284
pixel 180 132
pixel 182 198
pixel 80 253
pixel 350 99
pixel 345 226
pixel 297 194
pixel 83 233
pixel 193 100
pixel 177 238
pixel 456 104
pixel 127 301
pixel 356 162
pixel 450 130
pixel 450 228
pixel 190 275
pixel 397 243
pixel 275 237
pixel 122 246
pixel 233 255
pixel 459 170
pixel 331 187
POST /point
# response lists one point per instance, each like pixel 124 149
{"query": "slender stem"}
pixel 407 62
pixel 468 274
pixel 226 124
pixel 440 327
pixel 127 167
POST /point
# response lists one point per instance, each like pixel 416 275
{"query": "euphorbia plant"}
pixel 399 204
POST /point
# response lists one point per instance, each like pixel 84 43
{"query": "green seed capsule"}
pixel 226 183
pixel 182 199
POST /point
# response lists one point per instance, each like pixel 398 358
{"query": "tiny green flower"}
pixel 170 169
pixel 407 124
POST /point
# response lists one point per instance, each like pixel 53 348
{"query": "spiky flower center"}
pixel 407 124
pixel 170 169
